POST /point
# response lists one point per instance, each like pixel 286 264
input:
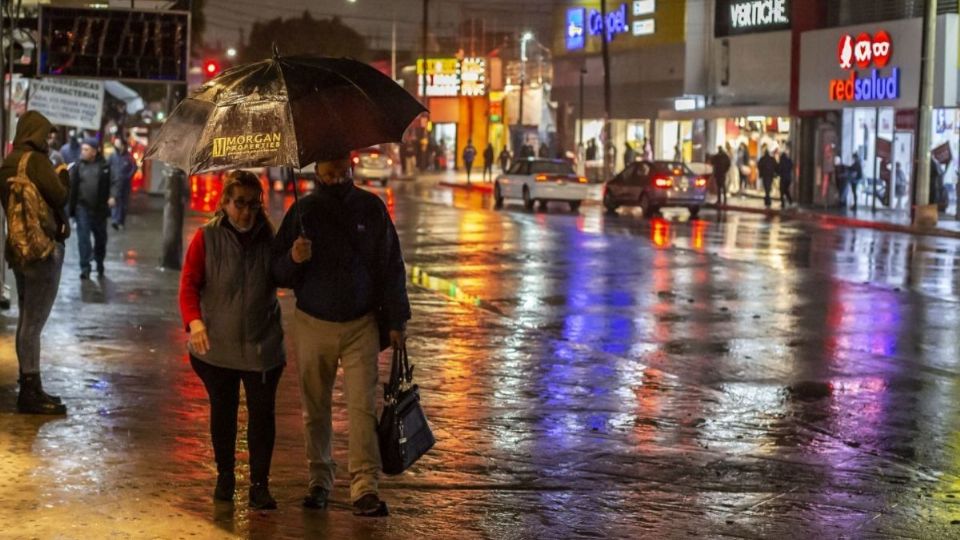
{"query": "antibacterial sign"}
pixel 869 65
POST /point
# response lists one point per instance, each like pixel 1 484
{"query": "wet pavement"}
pixel 586 375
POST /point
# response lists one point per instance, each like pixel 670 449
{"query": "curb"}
pixel 808 215
pixel 484 188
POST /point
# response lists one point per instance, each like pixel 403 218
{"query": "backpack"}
pixel 30 224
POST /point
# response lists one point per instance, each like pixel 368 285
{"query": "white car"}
pixel 541 180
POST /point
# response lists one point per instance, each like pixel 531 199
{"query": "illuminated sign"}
pixel 575 28
pixel 443 77
pixel 616 22
pixel 644 7
pixel 582 22
pixel 645 27
pixel 748 16
pixel 863 52
pixel 473 76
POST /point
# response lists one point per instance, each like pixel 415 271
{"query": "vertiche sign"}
pixel 734 17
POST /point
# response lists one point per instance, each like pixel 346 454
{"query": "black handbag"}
pixel 403 433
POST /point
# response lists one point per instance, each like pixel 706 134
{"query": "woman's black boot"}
pixel 33 400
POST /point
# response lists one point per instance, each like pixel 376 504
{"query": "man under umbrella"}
pixel 338 250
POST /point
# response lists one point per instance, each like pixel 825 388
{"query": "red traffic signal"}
pixel 211 68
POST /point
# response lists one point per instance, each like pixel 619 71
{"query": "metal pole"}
pixel 605 50
pixel 423 79
pixel 583 71
pixel 393 49
pixel 922 151
pixel 523 82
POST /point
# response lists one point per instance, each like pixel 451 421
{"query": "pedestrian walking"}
pixel 733 174
pixel 592 150
pixel 900 185
pixel 229 306
pixel 721 166
pixel 767 169
pixel 122 168
pixel 785 172
pixel 854 174
pixel 488 162
pixel 356 281
pixel 37 280
pixel 629 154
pixel 469 154
pixel 543 151
pixel 56 158
pixel 504 159
pixel 743 166
pixel 70 151
pixel 90 204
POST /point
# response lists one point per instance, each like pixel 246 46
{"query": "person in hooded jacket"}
pixel 228 301
pixel 37 282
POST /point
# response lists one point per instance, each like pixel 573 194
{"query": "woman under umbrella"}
pixel 229 306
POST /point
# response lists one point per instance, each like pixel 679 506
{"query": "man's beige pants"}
pixel 355 345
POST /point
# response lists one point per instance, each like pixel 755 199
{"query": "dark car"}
pixel 653 185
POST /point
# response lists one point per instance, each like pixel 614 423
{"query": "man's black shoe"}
pixel 115 225
pixel 85 274
pixel 226 484
pixel 370 506
pixel 316 498
pixel 260 498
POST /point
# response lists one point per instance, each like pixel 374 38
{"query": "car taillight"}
pixel 541 178
pixel 701 181
pixel 582 179
pixel 663 182
pixel 356 159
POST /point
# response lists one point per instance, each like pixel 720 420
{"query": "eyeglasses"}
pixel 243 204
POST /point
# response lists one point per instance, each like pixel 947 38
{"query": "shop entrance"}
pixel 444 139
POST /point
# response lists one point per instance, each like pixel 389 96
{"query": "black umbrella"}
pixel 287 111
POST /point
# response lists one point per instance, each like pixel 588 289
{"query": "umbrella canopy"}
pixel 286 111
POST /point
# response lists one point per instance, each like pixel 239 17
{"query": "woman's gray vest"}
pixel 239 302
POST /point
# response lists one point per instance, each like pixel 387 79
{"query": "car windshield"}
pixel 672 168
pixel 550 167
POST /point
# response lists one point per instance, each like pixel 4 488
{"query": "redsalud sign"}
pixel 868 65
pixel 865 52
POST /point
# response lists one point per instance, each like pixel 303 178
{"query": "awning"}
pixel 725 111
pixel 125 94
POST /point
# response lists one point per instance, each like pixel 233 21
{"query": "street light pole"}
pixel 583 71
pixel 605 51
pixel 523 82
pixel 922 152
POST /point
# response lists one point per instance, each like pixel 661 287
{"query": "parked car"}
pixel 306 179
pixel 653 185
pixel 372 165
pixel 536 180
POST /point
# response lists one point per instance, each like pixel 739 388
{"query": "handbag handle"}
pixel 400 372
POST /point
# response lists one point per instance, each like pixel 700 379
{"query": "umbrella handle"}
pixel 288 172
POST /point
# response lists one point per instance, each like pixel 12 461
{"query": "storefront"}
pixel 862 84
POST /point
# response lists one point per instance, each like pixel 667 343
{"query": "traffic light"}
pixel 211 68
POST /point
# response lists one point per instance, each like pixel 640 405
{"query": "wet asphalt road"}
pixel 586 375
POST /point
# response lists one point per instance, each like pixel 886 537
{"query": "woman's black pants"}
pixel 223 387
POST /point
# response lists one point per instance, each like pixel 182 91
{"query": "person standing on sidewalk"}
pixel 122 168
pixel 785 171
pixel 504 159
pixel 767 169
pixel 229 305
pixel 854 174
pixel 469 154
pixel 90 204
pixel 721 166
pixel 37 282
pixel 358 274
pixel 488 162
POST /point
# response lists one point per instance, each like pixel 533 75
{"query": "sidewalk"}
pixel 879 219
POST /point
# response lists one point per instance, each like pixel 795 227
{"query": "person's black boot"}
pixel 33 400
pixel 316 498
pixel 370 506
pixel 260 498
pixel 55 399
pixel 226 484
